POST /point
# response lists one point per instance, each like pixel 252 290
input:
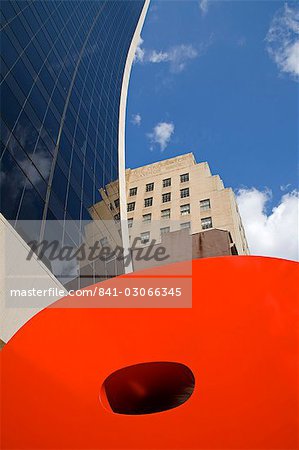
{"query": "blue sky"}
pixel 217 74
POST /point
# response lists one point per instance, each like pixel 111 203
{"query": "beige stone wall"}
pixel 202 185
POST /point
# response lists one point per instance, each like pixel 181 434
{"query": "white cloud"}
pixel 203 6
pixel 161 134
pixel 285 187
pixel 65 268
pixel 41 160
pixel 274 234
pixel 283 40
pixel 177 56
pixel 139 53
pixel 136 119
pixel 157 57
pixel 38 163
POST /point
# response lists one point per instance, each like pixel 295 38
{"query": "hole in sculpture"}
pixel 147 388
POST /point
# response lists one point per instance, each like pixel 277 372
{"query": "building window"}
pixel 131 206
pixel 130 222
pixel 185 210
pixel 149 187
pixel 185 225
pixel 167 182
pixel 206 223
pixel 104 242
pixel 166 197
pixel 145 237
pixel 146 218
pixel 205 204
pixel 184 177
pixel 111 206
pixel 133 191
pixel 165 214
pixel 148 202
pixel 184 192
pixel 116 218
pixel 116 203
pixel 164 230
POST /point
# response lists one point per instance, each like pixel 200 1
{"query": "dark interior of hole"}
pixel 149 387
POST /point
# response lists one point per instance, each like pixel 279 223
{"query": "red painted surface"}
pixel 240 339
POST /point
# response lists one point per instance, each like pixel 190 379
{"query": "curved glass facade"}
pixel 62 66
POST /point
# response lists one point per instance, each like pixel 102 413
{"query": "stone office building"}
pixel 176 194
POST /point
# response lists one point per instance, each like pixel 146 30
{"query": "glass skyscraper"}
pixel 62 69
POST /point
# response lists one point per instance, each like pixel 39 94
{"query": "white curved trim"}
pixel 121 134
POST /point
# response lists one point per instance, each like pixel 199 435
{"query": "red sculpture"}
pixel 230 380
